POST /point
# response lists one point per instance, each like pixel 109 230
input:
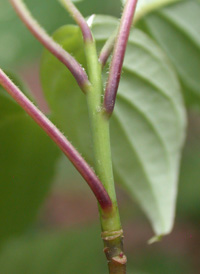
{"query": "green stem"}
pixel 112 233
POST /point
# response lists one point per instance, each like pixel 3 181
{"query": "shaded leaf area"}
pixel 188 206
pixel 73 252
pixel 188 202
pixel 77 251
pixel 146 6
pixel 147 128
pixel 27 160
pixel 149 122
pixel 176 28
pixel 18 45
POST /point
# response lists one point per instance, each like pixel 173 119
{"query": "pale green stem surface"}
pixel 112 233
pixel 101 137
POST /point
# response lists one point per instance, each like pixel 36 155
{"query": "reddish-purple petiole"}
pixel 118 56
pixel 80 164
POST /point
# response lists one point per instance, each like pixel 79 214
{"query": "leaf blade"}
pixel 176 29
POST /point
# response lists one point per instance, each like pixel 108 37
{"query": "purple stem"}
pixel 118 56
pixel 80 164
pixel 79 19
pixel 107 49
pixel 74 67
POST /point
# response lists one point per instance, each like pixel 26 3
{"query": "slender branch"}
pixel 78 18
pixel 118 56
pixel 80 164
pixel 74 67
pixel 107 49
pixel 141 12
pixel 146 7
pixel 112 233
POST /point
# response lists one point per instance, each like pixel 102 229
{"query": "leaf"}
pixel 149 121
pixel 27 161
pixel 146 6
pixel 148 124
pixel 177 30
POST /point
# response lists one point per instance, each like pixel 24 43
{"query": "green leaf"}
pixel 149 121
pixel 148 124
pixel 146 6
pixel 177 30
pixel 27 160
pixel 143 4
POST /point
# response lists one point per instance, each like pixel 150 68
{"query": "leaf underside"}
pixel 176 28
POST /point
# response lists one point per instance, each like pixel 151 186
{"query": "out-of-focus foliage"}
pixel 146 6
pixel 189 189
pixel 18 45
pixel 148 121
pixel 27 156
pixel 77 252
pixel 27 161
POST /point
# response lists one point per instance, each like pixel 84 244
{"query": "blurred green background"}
pixel 65 237
pixel 17 44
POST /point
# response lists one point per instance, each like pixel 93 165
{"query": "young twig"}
pixel 141 12
pixel 118 56
pixel 79 163
pixel 74 67
pixel 78 18
pixel 107 49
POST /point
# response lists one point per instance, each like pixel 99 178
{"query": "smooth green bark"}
pixel 112 233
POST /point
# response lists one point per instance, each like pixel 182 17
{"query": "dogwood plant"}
pixel 135 110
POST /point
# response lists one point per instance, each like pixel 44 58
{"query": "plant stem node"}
pixel 111 235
